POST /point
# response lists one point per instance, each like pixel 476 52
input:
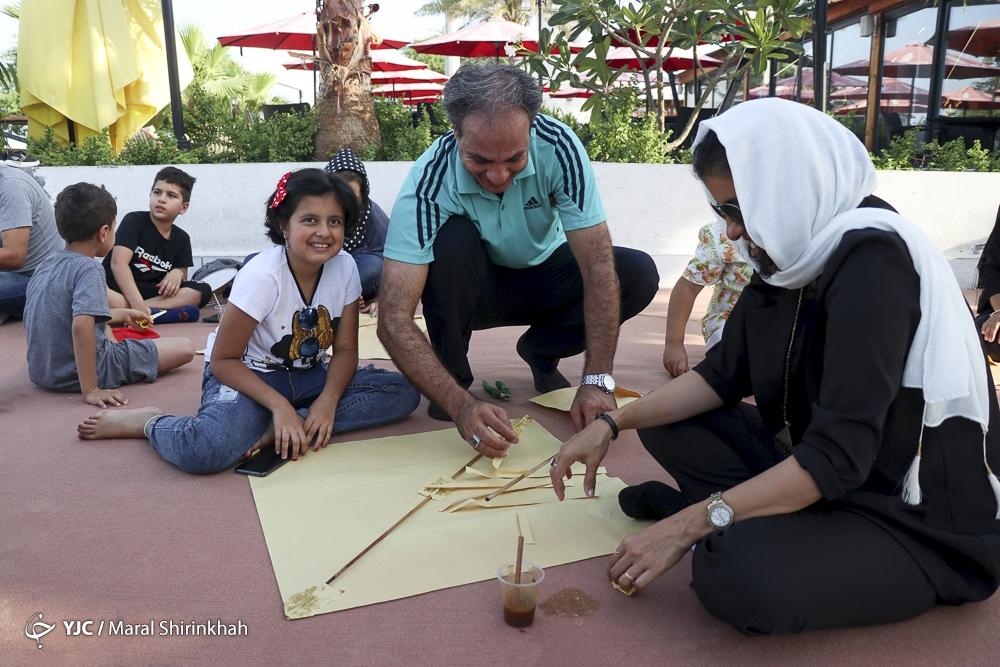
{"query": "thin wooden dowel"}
pixel 397 524
pixel 518 479
pixel 520 556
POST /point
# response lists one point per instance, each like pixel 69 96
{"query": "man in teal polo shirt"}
pixel 500 223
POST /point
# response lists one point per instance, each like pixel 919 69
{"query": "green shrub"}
pixel 162 150
pixel 400 139
pixel 95 150
pixel 899 154
pixel 617 135
pixel 284 137
pixel 906 152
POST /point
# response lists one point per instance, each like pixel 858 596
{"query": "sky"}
pixel 396 19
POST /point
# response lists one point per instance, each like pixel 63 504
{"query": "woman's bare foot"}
pixel 109 424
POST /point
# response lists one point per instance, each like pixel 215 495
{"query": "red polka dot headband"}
pixel 279 195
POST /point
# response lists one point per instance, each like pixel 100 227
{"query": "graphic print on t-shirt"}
pixel 312 333
pixel 145 262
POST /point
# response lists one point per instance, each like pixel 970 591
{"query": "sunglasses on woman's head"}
pixel 729 210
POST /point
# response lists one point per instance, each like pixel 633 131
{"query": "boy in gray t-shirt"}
pixel 27 235
pixel 70 347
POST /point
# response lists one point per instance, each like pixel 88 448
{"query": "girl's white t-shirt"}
pixel 265 290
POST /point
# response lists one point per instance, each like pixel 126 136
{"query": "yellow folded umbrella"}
pixel 97 63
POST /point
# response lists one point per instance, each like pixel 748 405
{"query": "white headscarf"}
pixel 799 177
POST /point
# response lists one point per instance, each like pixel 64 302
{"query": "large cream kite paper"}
pixel 320 512
pixel 96 63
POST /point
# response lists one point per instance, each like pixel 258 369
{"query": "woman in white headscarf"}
pixel 858 489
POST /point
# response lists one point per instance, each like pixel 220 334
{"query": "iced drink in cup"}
pixel 519 599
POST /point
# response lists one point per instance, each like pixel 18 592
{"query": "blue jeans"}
pixel 370 271
pixel 228 423
pixel 13 287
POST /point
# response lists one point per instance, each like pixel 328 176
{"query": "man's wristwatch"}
pixel 720 514
pixel 602 381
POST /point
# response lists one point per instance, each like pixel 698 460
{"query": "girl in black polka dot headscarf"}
pixel 367 240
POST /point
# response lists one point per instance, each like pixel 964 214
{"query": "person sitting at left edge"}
pixel 28 235
pixel 859 489
pixel 500 223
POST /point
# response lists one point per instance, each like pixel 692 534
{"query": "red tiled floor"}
pixel 107 530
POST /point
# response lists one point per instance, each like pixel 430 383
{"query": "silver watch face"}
pixel 602 381
pixel 720 516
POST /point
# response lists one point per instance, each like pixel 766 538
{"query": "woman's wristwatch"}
pixel 720 514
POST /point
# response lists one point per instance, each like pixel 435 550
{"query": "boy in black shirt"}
pixel 148 266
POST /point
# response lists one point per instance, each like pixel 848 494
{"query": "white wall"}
pixel 656 208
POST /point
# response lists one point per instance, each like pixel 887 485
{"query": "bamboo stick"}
pixel 397 524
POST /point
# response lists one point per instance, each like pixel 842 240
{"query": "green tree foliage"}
pixel 653 29
pixel 402 138
pixel 219 74
pixel 616 134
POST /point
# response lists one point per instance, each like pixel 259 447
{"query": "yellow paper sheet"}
pixel 524 528
pixel 321 511
pixel 562 399
pixel 518 427
pixel 369 346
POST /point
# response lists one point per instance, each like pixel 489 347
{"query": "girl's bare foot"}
pixel 109 424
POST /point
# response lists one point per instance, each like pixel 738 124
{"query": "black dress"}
pixel 860 555
pixel 989 283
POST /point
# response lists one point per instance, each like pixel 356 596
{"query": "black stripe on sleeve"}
pixel 425 205
pixel 573 155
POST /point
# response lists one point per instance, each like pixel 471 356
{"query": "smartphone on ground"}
pixel 262 463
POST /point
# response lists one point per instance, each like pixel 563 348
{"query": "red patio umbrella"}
pixel 679 59
pixel 486 39
pixel 412 76
pixel 383 60
pixel 409 90
pixel 971 99
pixel 982 39
pixel 293 32
pixel 391 60
pixel 808 79
pixel 916 61
pixel 891 89
pixel 568 92
pixel 899 106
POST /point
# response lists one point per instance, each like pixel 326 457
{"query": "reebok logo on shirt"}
pixel 531 204
pixel 147 262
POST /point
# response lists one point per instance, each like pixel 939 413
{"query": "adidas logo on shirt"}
pixel 531 204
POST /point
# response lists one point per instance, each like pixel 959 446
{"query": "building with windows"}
pixel 891 65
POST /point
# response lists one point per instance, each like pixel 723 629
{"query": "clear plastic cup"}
pixel 519 599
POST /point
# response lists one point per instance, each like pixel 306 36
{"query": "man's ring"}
pixel 474 441
pixel 555 462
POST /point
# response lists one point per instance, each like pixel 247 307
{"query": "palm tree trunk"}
pixel 345 113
